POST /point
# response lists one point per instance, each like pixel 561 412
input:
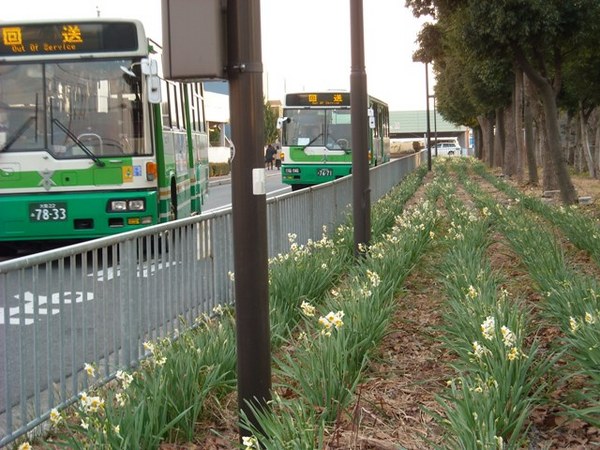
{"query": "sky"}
pixel 305 43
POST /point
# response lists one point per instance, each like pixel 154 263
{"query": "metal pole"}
pixel 428 120
pixel 249 206
pixel 361 192
pixel 435 126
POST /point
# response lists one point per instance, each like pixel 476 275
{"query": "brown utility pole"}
pixel 244 69
pixel 361 191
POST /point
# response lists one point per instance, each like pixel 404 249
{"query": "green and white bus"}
pixel 316 137
pixel 93 141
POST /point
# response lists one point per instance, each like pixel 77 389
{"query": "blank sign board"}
pixel 194 39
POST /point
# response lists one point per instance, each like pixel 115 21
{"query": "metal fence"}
pixel 99 301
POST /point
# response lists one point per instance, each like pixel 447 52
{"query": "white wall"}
pixel 218 154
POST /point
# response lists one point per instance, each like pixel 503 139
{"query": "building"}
pixel 411 126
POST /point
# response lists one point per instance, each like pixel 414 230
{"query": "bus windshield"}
pixel 318 128
pixel 72 109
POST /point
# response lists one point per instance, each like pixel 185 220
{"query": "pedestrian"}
pixel 278 158
pixel 270 156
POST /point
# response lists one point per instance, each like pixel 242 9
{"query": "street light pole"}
pixel 428 120
pixel 435 140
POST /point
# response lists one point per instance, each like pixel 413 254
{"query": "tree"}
pixel 271 115
pixel 469 89
pixel 538 36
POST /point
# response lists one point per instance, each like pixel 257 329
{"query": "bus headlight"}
pixel 117 205
pixel 138 204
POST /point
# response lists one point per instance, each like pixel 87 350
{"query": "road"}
pixel 219 192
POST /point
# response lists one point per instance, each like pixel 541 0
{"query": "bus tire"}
pixel 173 206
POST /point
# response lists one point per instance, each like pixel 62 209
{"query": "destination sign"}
pixel 67 37
pixel 318 99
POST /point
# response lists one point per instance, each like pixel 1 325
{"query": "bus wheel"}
pixel 297 187
pixel 173 210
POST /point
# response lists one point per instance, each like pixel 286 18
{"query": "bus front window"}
pixel 339 130
pixel 305 127
pixel 317 128
pixel 21 94
pixel 96 104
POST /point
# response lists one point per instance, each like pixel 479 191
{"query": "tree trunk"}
pixel 477 141
pixel 549 179
pixel 585 142
pixel 597 149
pixel 510 143
pixel 571 141
pixel 518 116
pixel 548 98
pixel 529 138
pixel 567 190
pixel 498 160
pixel 487 139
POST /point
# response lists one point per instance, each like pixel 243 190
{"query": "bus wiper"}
pixel 312 140
pixel 17 134
pixel 80 144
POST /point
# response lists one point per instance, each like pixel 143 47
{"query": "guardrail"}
pixel 99 301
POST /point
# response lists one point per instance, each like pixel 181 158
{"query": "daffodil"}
pixel 573 324
pixel 249 442
pixel 488 327
pixel 478 349
pixel 54 416
pixel 89 370
pixel 307 309
pixel 513 354
pixel 508 337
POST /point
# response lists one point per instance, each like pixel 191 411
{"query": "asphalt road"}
pixel 219 191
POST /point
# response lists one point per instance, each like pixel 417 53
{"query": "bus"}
pixel 316 137
pixel 93 140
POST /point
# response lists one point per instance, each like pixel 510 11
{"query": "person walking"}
pixel 277 157
pixel 270 156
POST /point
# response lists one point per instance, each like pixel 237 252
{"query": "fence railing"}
pixel 99 301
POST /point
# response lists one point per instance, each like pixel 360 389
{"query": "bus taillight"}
pixel 151 171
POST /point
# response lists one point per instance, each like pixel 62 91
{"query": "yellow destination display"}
pixel 318 99
pixel 68 37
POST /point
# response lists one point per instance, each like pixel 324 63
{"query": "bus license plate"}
pixel 47 212
pixel 325 172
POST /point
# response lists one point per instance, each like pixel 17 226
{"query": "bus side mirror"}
pixel 281 121
pixel 150 70
pixel 371 115
pixel 154 91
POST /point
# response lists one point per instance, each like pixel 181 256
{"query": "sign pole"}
pixel 249 207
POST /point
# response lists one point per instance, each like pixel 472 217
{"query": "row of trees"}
pixel 514 70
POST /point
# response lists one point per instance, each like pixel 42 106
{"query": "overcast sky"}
pixel 305 43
